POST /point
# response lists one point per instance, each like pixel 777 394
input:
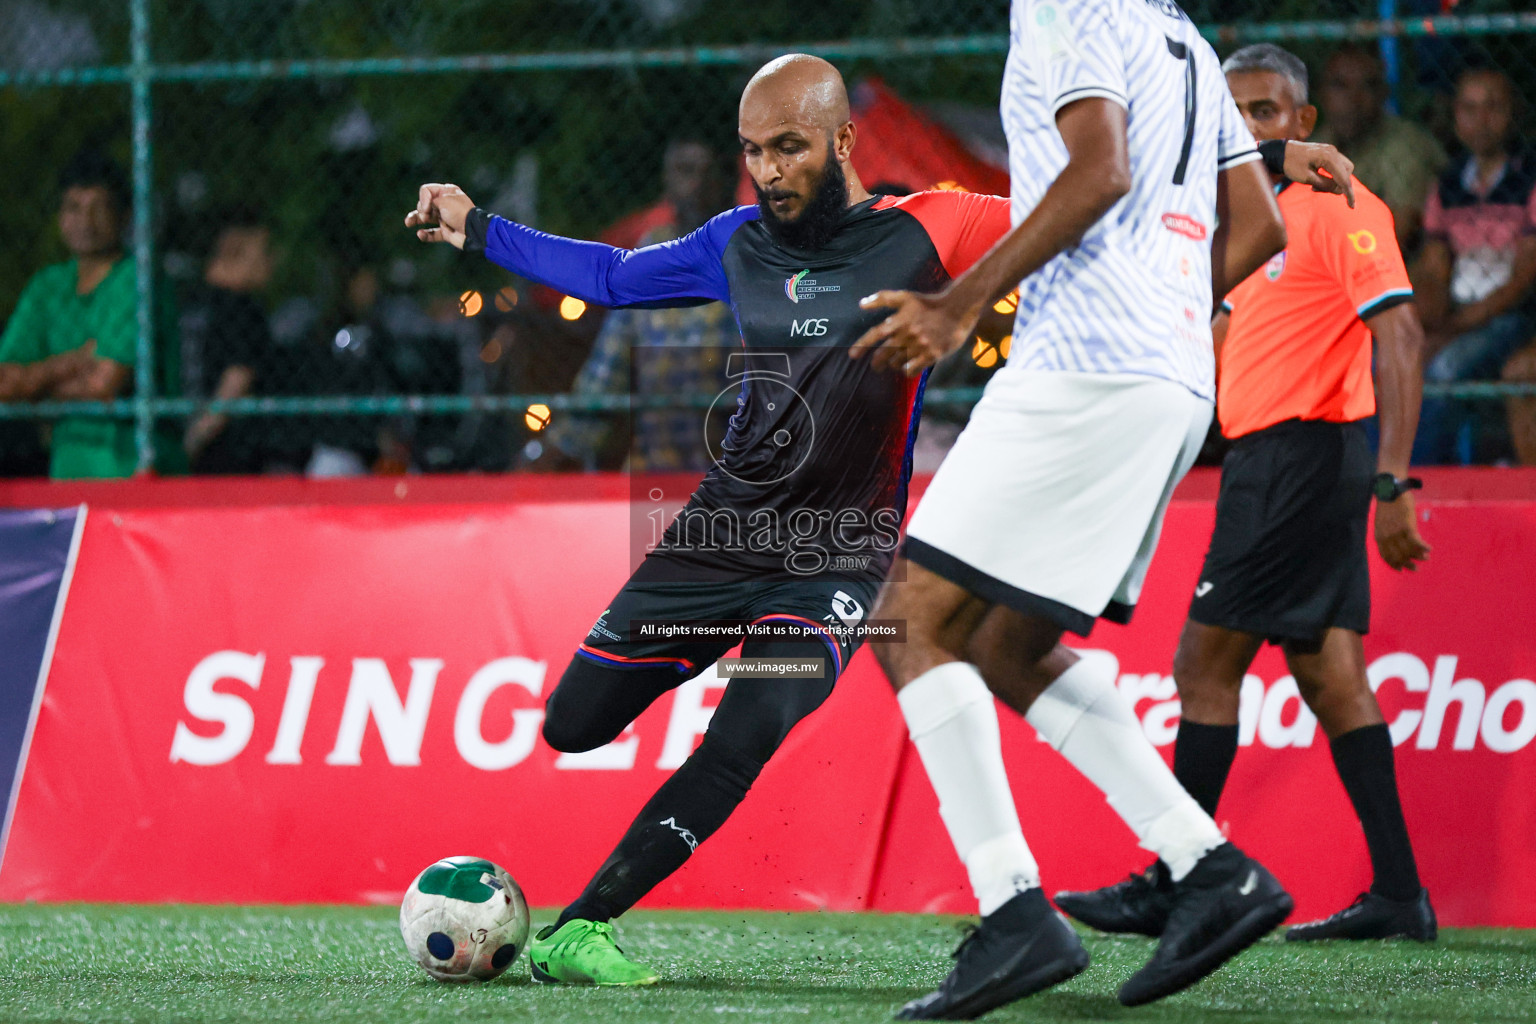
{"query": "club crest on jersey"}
pixel 798 289
pixel 1276 266
pixel 600 628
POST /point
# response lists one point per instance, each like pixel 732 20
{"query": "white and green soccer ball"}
pixel 464 919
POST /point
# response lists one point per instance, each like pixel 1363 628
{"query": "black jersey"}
pixel 812 474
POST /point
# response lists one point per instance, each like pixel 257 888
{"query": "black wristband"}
pixel 1273 153
pixel 476 223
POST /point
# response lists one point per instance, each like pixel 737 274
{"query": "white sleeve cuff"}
pixel 1232 160
pixel 1084 92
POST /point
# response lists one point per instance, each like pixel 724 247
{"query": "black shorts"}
pixel 1287 560
pixel 826 607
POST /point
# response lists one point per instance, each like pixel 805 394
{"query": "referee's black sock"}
pixel 1364 761
pixel 687 809
pixel 1202 757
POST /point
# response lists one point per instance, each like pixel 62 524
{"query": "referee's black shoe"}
pixel 1137 906
pixel 1226 904
pixel 1374 917
pixel 1017 950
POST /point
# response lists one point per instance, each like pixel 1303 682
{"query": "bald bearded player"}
pixel 797 523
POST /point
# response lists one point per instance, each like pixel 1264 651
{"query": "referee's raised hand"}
pixel 1321 166
pixel 444 206
pixel 1397 534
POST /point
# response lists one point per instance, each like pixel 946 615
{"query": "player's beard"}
pixel 820 217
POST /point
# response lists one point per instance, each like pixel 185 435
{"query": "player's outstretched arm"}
pixel 926 328
pixel 1250 230
pixel 1399 389
pixel 682 272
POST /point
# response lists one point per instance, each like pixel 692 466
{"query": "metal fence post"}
pixel 143 242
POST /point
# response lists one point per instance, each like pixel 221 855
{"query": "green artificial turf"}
pixel 131 963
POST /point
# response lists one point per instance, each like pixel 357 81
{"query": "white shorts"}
pixel 1052 498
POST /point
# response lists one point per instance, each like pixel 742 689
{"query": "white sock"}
pixel 953 723
pixel 1084 717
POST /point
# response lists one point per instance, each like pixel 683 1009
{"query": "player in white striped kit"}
pixel 1126 151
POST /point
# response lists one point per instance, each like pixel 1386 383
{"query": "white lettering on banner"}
pixel 1503 717
pixel 689 718
pixel 1273 732
pixel 303 673
pixel 468 721
pixel 1250 700
pixel 1495 736
pixel 1161 722
pixel 1263 710
pixel 616 756
pixel 1415 679
pixel 1477 711
pixel 372 694
pixel 1445 689
pixel 203 702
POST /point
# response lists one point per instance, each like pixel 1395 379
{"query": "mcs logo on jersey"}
pixel 1276 266
pixel 798 289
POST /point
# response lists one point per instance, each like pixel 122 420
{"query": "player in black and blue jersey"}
pixel 798 521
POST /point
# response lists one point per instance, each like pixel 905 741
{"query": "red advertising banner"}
pixel 293 702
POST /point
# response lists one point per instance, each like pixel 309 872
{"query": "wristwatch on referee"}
pixel 1387 487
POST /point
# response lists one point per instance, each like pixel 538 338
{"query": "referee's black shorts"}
pixel 1287 560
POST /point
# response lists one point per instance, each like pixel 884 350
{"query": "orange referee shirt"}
pixel 1297 346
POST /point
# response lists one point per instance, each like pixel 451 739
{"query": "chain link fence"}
pixel 273 315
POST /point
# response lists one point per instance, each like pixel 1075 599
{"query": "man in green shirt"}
pixel 1395 158
pixel 73 335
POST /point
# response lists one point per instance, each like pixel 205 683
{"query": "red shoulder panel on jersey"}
pixel 963 225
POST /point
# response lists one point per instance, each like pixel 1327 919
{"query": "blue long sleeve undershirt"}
pixel 683 272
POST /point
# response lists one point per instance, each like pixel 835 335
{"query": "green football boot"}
pixel 584 953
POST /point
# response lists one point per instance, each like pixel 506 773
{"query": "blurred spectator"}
pixel 224 339
pixel 1478 264
pixel 1395 158
pixel 74 334
pixel 341 352
pixel 654 351
pixel 1522 411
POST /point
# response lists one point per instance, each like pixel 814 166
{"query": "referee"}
pixel 1287 563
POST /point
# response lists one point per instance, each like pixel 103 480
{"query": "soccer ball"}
pixel 464 919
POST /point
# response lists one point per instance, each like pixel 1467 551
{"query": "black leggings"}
pixel 594 703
